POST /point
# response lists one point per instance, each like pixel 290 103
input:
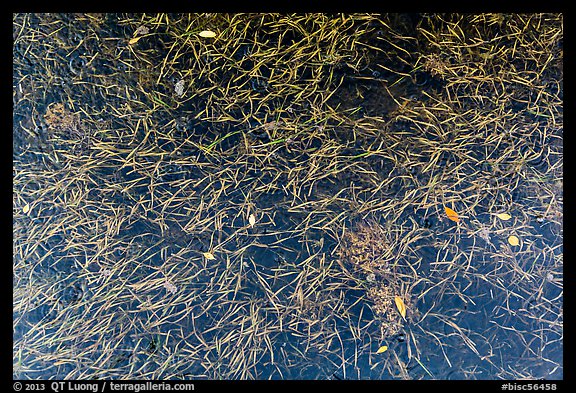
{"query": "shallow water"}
pixel 275 303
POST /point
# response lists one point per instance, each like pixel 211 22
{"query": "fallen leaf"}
pixel 400 306
pixel 504 216
pixel 106 272
pixel 452 215
pixel 382 349
pixel 170 287
pixel 513 240
pixel 252 220
pixel 134 40
pixel 26 208
pixel 270 126
pixel 141 30
pixel 207 34
pixel 179 88
pixel 208 255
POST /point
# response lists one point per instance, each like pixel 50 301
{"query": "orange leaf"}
pixel 452 215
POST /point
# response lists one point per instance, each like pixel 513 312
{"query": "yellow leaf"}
pixel 504 216
pixel 400 306
pixel 252 220
pixel 134 40
pixel 382 349
pixel 452 215
pixel 26 208
pixel 207 34
pixel 208 255
pixel 513 240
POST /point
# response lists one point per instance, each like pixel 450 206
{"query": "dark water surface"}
pixel 135 297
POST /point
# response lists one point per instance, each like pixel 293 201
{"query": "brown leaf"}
pixel 141 30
